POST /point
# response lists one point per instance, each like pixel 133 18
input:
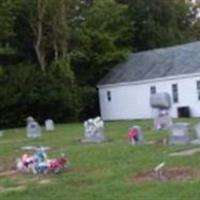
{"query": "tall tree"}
pixel 159 23
pixel 46 29
pixel 6 19
pixel 101 40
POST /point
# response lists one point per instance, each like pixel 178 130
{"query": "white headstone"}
pixel 94 130
pixel 1 133
pixel 33 129
pixel 49 125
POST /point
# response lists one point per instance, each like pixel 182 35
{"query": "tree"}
pixel 101 40
pixel 160 23
pixel 42 27
pixel 6 19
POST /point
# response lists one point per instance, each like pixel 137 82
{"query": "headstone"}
pixel 162 120
pixel 1 133
pixel 197 130
pixel 33 129
pixel 161 103
pixel 94 131
pixel 135 135
pixel 179 133
pixel 160 100
pixel 49 125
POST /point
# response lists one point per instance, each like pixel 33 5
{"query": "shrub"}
pixel 25 90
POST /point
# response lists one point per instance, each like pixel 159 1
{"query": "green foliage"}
pixel 101 41
pixel 6 20
pixel 70 45
pixel 160 23
pixel 24 91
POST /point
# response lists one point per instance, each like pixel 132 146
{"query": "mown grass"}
pixel 97 172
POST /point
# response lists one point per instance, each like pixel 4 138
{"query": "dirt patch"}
pixel 167 174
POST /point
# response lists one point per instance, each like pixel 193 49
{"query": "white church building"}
pixel 124 93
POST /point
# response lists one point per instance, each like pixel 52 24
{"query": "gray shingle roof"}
pixel 158 63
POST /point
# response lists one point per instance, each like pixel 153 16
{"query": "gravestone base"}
pixel 196 141
pixel 93 140
pixel 179 140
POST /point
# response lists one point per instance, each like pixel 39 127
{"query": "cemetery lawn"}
pixel 97 172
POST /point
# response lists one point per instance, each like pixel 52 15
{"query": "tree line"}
pixel 54 52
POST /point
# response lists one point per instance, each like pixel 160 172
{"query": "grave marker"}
pixel 33 129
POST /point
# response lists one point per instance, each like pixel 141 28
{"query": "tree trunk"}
pixel 64 29
pixel 40 52
pixel 55 52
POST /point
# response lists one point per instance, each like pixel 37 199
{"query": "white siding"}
pixel 131 101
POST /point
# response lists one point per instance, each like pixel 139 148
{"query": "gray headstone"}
pixel 179 133
pixel 197 129
pixel 94 131
pixel 33 129
pixel 49 125
pixel 160 100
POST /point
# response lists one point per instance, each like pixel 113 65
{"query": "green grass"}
pixel 97 172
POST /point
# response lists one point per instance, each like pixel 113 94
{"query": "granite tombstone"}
pixel 179 133
pixel 33 129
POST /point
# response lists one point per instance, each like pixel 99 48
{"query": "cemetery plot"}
pixel 104 168
pixel 39 163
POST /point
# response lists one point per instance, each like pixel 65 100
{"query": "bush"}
pixel 25 90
